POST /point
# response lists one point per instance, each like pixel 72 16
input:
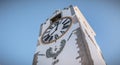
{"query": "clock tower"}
pixel 66 38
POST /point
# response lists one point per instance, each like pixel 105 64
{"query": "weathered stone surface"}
pixel 49 52
pixel 84 52
pixel 35 59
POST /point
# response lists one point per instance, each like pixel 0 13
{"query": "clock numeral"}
pixel 62 32
pixel 51 27
pixel 47 31
pixel 56 36
pixel 46 37
pixel 51 37
pixel 65 26
pixel 64 21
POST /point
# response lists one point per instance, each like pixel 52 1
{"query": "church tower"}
pixel 66 38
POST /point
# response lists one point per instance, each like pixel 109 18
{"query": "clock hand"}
pixel 53 31
pixel 57 26
pixel 57 23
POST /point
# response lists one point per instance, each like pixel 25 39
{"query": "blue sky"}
pixel 20 25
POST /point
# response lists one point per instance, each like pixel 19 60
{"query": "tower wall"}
pixel 77 46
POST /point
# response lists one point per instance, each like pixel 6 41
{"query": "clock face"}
pixel 56 30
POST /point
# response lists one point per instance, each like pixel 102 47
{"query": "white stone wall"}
pixel 89 34
pixel 70 50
